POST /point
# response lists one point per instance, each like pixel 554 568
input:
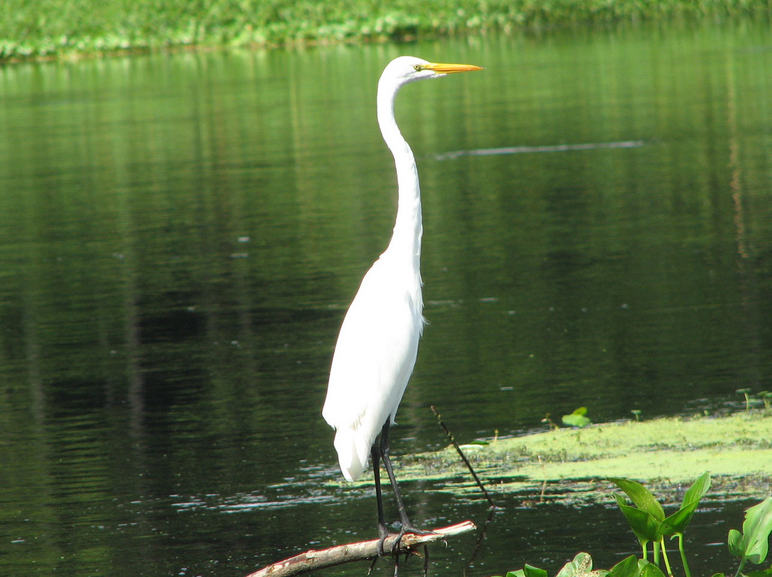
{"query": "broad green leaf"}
pixel 580 565
pixel 645 527
pixel 531 571
pixel 697 490
pixel 735 541
pixel 718 575
pixel 641 497
pixel 574 420
pixel 518 573
pixel 756 530
pixel 677 522
pixel 674 524
pixel 627 567
pixel 650 570
pixel 763 573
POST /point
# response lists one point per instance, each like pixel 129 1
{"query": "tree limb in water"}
pixel 361 551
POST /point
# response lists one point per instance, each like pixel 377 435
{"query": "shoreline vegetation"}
pixel 52 29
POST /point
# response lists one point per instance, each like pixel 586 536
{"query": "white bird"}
pixel 378 341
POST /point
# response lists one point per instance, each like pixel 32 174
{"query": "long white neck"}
pixel 408 228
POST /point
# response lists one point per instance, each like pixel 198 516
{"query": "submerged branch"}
pixel 319 558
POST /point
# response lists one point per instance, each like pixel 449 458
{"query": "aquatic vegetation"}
pixel 746 393
pixel 578 418
pixel 760 399
pixel 736 447
pixel 647 520
pixel 753 543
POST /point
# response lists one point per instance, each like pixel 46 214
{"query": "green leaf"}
pixel 645 527
pixel 627 567
pixel 650 570
pixel 641 497
pixel 577 419
pixel 757 526
pixel 574 420
pixel 531 571
pixel 674 524
pixel 677 522
pixel 735 541
pixel 518 573
pixel 580 565
pixel 763 573
pixel 698 489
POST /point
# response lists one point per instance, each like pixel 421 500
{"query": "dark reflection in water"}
pixel 180 236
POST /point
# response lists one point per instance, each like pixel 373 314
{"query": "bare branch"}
pixel 360 551
pixel 461 454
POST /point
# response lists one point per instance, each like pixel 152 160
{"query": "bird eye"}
pixel 418 67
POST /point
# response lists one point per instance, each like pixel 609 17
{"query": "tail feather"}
pixel 353 452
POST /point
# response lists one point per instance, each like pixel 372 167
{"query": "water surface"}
pixel 180 236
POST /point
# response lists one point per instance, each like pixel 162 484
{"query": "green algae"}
pixel 572 464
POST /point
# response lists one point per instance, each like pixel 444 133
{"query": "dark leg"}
pixel 383 531
pixel 407 526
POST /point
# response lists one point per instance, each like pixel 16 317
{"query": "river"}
pixel 180 236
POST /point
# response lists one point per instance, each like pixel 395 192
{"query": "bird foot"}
pixel 383 532
pixel 404 530
pixel 410 528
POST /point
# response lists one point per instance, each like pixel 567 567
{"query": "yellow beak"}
pixel 443 68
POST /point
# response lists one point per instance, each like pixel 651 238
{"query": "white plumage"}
pixel 371 367
pixel 378 341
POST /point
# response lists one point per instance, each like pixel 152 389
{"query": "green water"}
pixel 180 236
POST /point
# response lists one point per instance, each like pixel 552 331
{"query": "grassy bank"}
pixel 51 28
pixel 574 463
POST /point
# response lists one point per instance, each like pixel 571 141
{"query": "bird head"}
pixel 409 69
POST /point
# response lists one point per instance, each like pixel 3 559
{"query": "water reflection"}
pixel 531 149
pixel 180 236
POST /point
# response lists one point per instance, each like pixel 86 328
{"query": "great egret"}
pixel 378 341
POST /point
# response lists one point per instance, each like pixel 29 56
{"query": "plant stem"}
pixel 463 457
pixel 655 556
pixel 664 556
pixel 740 568
pixel 683 554
pixel 645 550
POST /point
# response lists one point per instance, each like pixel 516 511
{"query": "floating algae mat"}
pixel 575 463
